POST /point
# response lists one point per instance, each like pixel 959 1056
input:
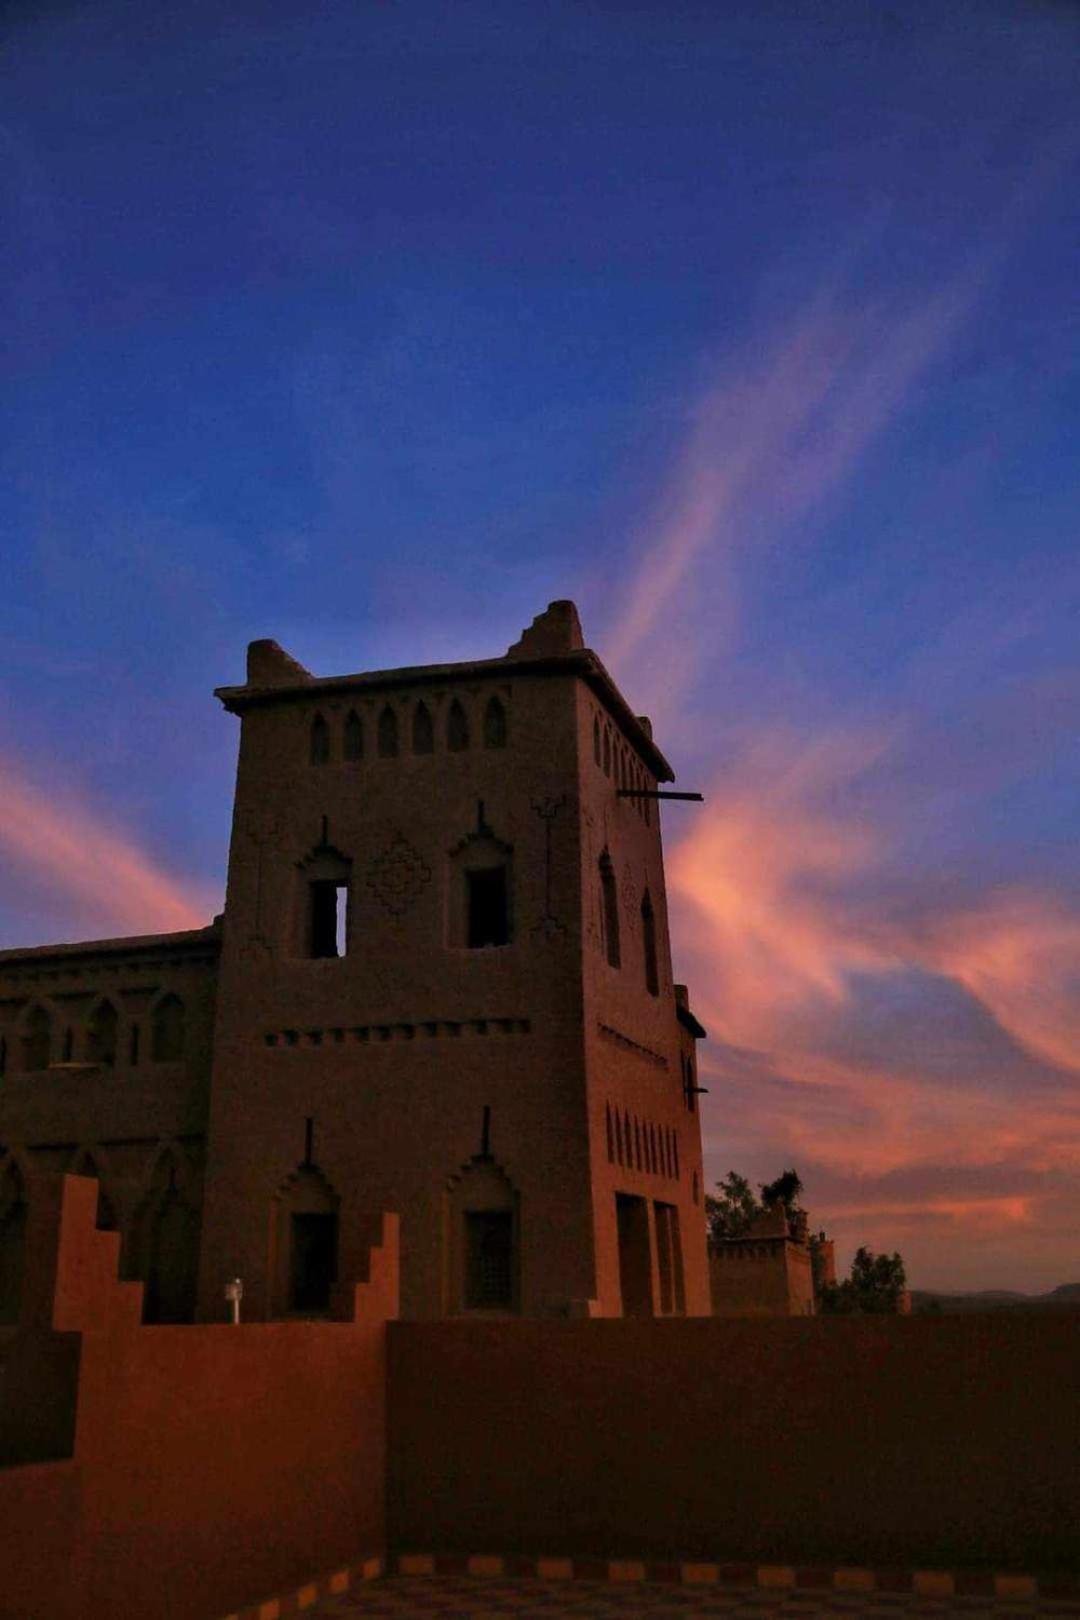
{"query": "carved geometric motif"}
pixel 398 875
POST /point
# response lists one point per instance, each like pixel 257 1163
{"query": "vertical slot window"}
pixel 648 934
pixel 610 902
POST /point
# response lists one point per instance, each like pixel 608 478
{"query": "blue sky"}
pixel 751 327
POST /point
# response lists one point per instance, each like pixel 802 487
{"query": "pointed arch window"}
pixel 648 935
pixel 607 752
pixel 423 732
pixel 101 1034
pixel 37 1040
pixel 610 1134
pixel 320 741
pixel 495 727
pixel 163 1251
pixel 610 905
pixel 353 737
pixel 484 1241
pixel 167 1030
pixel 305 1243
pixel 457 728
pixel 597 755
pixel 388 734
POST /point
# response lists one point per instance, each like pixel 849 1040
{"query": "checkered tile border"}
pixel 306 1597
pixel 924 1583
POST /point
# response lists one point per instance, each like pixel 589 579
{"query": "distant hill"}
pixel 1065 1297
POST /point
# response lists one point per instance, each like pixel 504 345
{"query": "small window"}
pixel 167 1030
pixel 618 1137
pixel 320 741
pixel 329 917
pixel 423 732
pixel 101 1034
pixel 37 1040
pixel 648 934
pixel 489 1249
pixel 354 737
pixel 610 899
pixel 457 728
pixel 488 921
pixel 607 752
pixel 597 756
pixel 494 724
pixel 313 1257
pixel 610 1134
pixel 388 734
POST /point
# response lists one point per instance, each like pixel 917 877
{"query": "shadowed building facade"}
pixel 441 986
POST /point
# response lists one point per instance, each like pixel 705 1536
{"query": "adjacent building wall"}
pixel 911 1442
pixel 212 1466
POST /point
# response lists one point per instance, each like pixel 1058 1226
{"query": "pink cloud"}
pixel 866 1027
pixel 68 852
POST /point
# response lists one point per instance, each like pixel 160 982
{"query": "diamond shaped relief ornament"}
pixel 398 875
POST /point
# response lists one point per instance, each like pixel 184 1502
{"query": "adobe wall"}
pixel 645 1141
pixel 761 1277
pixel 136 1121
pixel 396 1049
pixel 910 1442
pixel 212 1465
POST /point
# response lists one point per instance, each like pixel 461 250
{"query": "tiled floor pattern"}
pixel 462 1597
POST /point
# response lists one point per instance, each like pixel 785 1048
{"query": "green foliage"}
pixel 732 1212
pixel 786 1190
pixel 874 1287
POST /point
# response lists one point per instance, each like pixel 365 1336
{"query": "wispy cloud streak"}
pixel 781 429
pixel 67 851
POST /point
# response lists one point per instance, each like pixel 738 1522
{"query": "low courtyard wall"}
pixel 891 1441
pixel 211 1465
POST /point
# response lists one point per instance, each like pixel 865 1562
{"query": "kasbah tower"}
pixel 443 987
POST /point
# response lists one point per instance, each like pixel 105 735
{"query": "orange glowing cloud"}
pixel 67 851
pixel 865 1029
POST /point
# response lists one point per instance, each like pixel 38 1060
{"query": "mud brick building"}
pixel 441 986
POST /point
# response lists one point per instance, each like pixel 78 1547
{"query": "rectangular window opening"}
pixel 489 1249
pixel 329 918
pixel 313 1262
pixel 488 909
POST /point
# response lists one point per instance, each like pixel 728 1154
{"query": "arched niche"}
pixel 423 730
pixel 304 1244
pixel 164 1244
pixel 167 1029
pixel 495 723
pixel 319 741
pixel 482 1242
pixel 457 728
pixel 36 1039
pixel 13 1214
pixel 102 1034
pixel 87 1163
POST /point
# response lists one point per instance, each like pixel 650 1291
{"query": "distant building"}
pixel 441 986
pixel 768 1271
